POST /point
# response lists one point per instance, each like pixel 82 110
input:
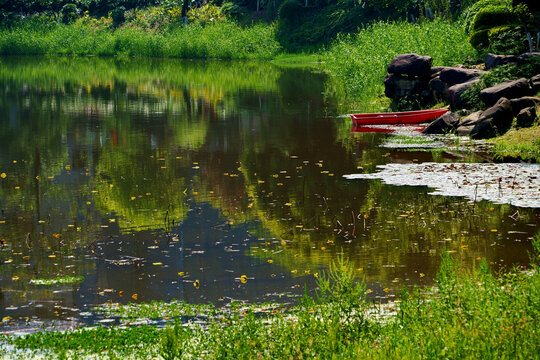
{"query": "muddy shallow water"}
pixel 168 179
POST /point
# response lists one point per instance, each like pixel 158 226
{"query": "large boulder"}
pixel 443 124
pixel 526 117
pixel 467 124
pixel 509 89
pixel 491 61
pixel 500 114
pixel 396 86
pixel 535 83
pixel 455 75
pixel 411 65
pixel 523 102
pixel 438 87
pixel 492 122
pixel 454 93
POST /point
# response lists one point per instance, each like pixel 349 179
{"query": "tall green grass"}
pixel 224 40
pixel 469 314
pixel 359 61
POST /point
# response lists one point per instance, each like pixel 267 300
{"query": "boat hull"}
pixel 405 117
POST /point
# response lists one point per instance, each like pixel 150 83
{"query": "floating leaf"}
pixel 159 263
pixel 243 279
pixel 269 261
pixel 196 284
pixel 3 175
pixel 135 296
pixel 181 273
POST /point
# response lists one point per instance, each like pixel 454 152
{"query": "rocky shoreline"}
pixel 411 77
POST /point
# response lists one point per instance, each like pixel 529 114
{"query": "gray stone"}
pixel 491 61
pixel 483 130
pixel 455 75
pixel 526 117
pixel 535 83
pixel 436 70
pixel 396 86
pixel 454 93
pixel 509 89
pixel 443 124
pixel 467 124
pixel 500 114
pixel 411 65
pixel 438 87
pixel 523 102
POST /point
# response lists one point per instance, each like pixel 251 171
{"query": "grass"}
pixel 359 61
pixel 469 313
pixel 223 40
pixel 521 144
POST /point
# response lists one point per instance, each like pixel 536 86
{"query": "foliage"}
pixel 522 144
pixel 469 14
pixel 69 13
pixel 206 14
pixel 497 23
pixel 359 62
pixel 90 36
pixel 498 75
pixel 118 15
pixel 507 40
pixel 469 311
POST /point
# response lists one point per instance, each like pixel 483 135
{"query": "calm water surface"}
pixel 144 176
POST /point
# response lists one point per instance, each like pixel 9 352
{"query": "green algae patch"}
pixel 61 280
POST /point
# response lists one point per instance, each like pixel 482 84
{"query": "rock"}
pixel 454 93
pixel 452 76
pixel 500 114
pixel 412 65
pixel 482 125
pixel 396 86
pixel 436 70
pixel 466 125
pixel 524 102
pixel 443 124
pixel 526 117
pixel 491 61
pixel 526 57
pixel 508 89
pixel 438 87
pixel 483 130
pixel 535 83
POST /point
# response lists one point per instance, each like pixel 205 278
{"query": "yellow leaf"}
pixel 3 175
pixel 15 278
pixel 288 204
pixel 52 256
pixel 68 167
pixel 57 236
pixel 132 198
pixel 159 263
pixel 422 275
pixel 135 296
pixel 270 261
pixel 196 284
pixel 243 279
pixel 181 273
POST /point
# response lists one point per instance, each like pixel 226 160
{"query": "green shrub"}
pixel 479 39
pixel 290 10
pixel 507 40
pixel 118 15
pixel 470 13
pixel 492 16
pixel 69 13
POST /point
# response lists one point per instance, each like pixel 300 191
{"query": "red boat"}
pixel 404 117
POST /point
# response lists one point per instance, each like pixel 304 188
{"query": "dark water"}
pixel 144 176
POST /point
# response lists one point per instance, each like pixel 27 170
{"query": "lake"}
pixel 171 179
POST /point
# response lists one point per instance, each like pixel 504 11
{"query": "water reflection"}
pixel 144 176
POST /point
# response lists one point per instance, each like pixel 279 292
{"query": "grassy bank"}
pixel 359 61
pixel 470 313
pixel 223 40
pixel 523 144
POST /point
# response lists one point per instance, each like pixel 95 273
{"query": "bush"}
pixel 470 13
pixel 118 15
pixel 492 16
pixel 507 40
pixel 69 13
